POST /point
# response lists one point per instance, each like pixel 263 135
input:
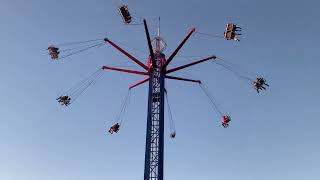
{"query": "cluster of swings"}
pixel 68 49
pixel 258 83
pixel 73 93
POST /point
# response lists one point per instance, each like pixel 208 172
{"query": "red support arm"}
pixel 138 83
pixel 190 64
pixel 183 79
pixel 125 70
pixel 127 54
pixel 178 48
pixel 153 60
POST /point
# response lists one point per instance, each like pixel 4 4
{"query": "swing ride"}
pixel 155 71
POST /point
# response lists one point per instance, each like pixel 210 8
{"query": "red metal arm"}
pixel 138 83
pixel 125 70
pixel 178 48
pixel 127 54
pixel 153 60
pixel 183 79
pixel 190 64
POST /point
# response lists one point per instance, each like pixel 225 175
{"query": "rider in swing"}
pixel 114 128
pixel 225 120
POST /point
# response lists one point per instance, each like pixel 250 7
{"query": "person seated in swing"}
pixel 64 100
pixel 236 28
pixel 124 12
pixel 231 35
pixel 234 37
pixel 173 134
pixel 228 31
pixel 53 52
pixel 114 128
pixel 262 81
pixel 59 99
pixel 67 101
pixel 52 49
pixel 229 27
pixel 227 35
pixel 231 32
pixel 225 120
pixel 259 84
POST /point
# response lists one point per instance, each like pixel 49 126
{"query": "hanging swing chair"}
pixel 125 14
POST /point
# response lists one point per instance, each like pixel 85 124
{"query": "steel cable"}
pixel 81 50
pixel 171 122
pixel 212 100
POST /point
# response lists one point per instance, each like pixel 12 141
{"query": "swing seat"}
pixel 125 14
pixel 173 135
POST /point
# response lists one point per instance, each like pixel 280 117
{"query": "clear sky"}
pixel 273 135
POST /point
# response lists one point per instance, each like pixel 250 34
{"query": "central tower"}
pixel 155 119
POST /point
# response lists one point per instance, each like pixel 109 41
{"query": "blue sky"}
pixel 273 135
